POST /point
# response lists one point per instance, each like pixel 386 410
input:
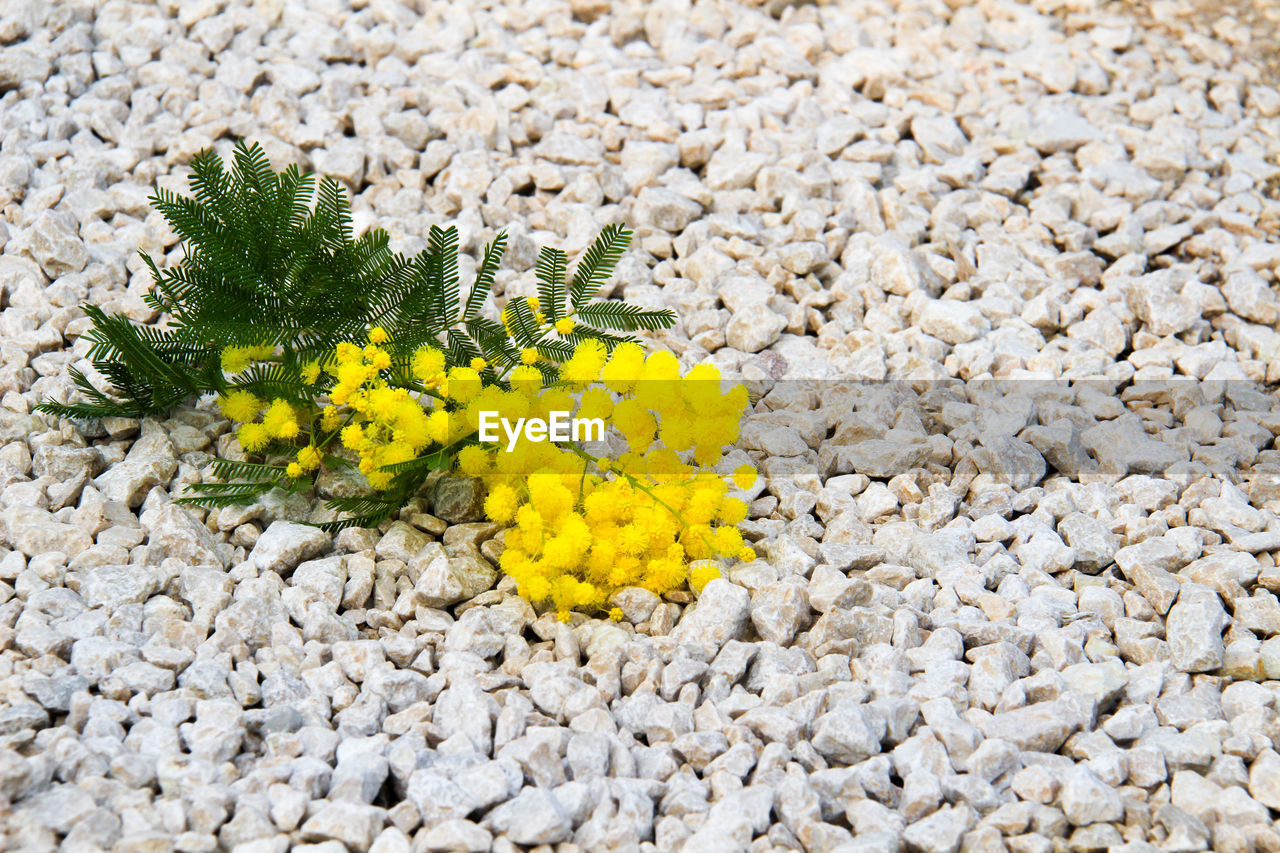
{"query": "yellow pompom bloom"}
pixel 293 469
pixel 549 495
pixel 529 355
pixel 438 426
pixel 378 335
pixel 352 436
pixel 501 503
pixel 253 437
pixel 565 325
pixel 412 426
pixel 536 589
pixel 473 460
pixel 395 453
pixel 478 364
pixel 623 368
pixel 240 405
pixel 311 372
pixel 540 318
pixel 235 359
pixel 380 360
pixel 596 403
pixel 330 417
pixel 585 364
pixel 351 374
pixel 706 455
pixel 732 511
pixel 534 303
pixel 280 420
pixel 309 458
pixel 526 379
pixel 462 384
pixel 428 364
pixel 703 574
pixel 727 540
pixel 744 476
pixel 615 614
pixel 747 554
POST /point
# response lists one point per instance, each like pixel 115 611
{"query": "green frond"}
pixel 550 272
pixel 624 317
pixel 213 495
pixel 227 469
pixel 460 348
pixel 523 325
pixel 443 276
pixel 595 267
pixel 364 510
pixel 484 275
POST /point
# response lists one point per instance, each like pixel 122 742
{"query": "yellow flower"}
pixel 661 366
pixel 235 359
pixel 428 364
pixel 623 368
pixel 351 374
pixel 585 364
pixel 311 372
pixel 550 496
pixel 528 355
pixel 438 426
pixel 703 574
pixel 352 435
pixel 253 437
pixel 744 476
pixel 500 505
pixel 526 379
pixel 378 335
pixel 478 364
pixel 309 458
pixel 732 511
pixel 747 554
pixel 293 469
pixel 615 614
pixel 280 420
pixel 240 405
pixel 565 325
pixel 534 303
pixel 473 460
pixel 330 417
pixel 462 385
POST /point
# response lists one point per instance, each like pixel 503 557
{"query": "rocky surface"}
pixel 987 614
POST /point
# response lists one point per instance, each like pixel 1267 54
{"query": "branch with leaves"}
pixel 272 286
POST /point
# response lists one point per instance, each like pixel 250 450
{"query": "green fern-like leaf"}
pixel 484 276
pixel 624 317
pixel 595 267
pixel 550 271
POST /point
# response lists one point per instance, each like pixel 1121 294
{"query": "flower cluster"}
pixel 639 506
pixel 586 522
pixel 279 418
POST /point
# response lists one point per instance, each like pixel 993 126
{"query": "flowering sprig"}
pixel 329 351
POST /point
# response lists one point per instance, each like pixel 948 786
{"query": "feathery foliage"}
pixel 272 286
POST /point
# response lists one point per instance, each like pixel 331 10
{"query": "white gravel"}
pixel 989 615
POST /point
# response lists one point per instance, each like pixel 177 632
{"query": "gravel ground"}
pixel 987 615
